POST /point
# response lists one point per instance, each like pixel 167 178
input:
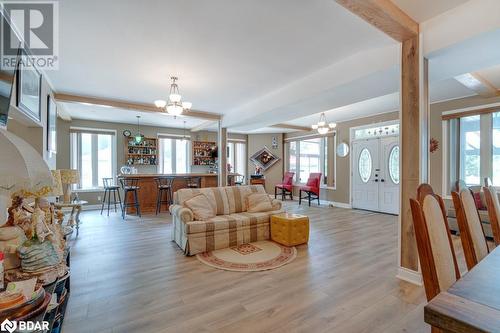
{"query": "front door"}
pixel 365 174
pixel 375 174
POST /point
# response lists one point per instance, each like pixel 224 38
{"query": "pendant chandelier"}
pixel 174 106
pixel 322 127
pixel 138 137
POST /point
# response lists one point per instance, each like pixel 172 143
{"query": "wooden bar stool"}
pixel 110 187
pixel 129 185
pixel 164 191
pixel 193 182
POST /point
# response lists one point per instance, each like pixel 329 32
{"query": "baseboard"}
pixel 409 275
pixel 327 203
pixel 340 205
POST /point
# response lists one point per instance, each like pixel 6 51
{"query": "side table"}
pixel 76 208
pixel 290 229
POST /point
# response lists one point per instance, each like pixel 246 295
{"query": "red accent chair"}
pixel 286 186
pixel 311 188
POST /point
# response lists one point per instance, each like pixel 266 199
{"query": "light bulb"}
pixel 187 105
pixel 175 98
pixel 322 123
pixel 332 125
pixel 314 126
pixel 160 103
pixel 323 130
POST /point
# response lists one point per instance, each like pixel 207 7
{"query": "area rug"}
pixel 251 257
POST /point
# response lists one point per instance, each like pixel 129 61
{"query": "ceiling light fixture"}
pixel 138 137
pixel 174 106
pixel 322 127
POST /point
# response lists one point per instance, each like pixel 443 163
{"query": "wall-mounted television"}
pixel 10 51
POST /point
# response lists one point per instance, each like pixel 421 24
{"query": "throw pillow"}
pixel 201 207
pixel 478 201
pixel 258 202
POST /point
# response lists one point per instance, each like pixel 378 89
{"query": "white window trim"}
pixel 99 186
pixel 159 166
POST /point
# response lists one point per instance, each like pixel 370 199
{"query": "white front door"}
pixel 389 175
pixel 375 175
pixel 364 174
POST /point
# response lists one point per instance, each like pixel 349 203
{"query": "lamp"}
pixel 174 106
pixel 57 189
pixel 322 127
pixel 22 168
pixel 68 178
pixel 138 137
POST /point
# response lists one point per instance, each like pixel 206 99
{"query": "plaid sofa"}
pixel 232 226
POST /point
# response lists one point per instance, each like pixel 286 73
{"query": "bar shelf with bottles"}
pixel 204 153
pixel 143 153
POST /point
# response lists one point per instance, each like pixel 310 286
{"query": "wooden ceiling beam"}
pixel 292 127
pixel 70 98
pixel 384 15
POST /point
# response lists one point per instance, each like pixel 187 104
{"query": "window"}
pixel 470 150
pixel 394 164
pixel 365 165
pixel 237 157
pixel 306 156
pixel 93 153
pixel 174 155
pixel 473 149
pixel 496 149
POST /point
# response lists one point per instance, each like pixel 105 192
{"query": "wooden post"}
pixel 222 153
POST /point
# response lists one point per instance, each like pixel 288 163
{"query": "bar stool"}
pixel 193 182
pixel 164 190
pixel 109 188
pixel 129 185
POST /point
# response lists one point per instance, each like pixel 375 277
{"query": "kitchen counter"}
pixel 148 188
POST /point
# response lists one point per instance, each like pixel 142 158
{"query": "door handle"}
pixel 376 180
pixel 382 180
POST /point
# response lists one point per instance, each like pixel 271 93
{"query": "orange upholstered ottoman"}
pixel 290 229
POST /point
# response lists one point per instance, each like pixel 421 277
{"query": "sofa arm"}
pixel 182 213
pixel 277 204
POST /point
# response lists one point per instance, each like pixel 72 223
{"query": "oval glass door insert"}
pixel 365 165
pixel 394 164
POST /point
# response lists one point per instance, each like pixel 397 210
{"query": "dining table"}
pixel 472 304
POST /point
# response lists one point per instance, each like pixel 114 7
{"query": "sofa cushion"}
pixel 201 207
pixel 236 196
pixel 215 195
pixel 258 202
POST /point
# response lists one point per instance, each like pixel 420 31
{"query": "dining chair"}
pixel 493 205
pixel 470 226
pixel 438 261
pixel 311 188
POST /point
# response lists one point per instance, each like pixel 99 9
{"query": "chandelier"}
pixel 322 127
pixel 174 106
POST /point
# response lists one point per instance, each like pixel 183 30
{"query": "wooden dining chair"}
pixel 470 226
pixel 493 205
pixel 435 248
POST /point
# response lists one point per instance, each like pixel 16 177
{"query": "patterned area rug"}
pixel 251 257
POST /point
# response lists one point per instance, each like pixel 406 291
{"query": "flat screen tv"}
pixel 9 60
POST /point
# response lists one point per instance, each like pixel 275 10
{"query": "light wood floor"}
pixel 129 277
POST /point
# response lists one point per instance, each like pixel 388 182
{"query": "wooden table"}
pixel 472 304
pixel 76 209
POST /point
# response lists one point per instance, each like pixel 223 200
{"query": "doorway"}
pixel 375 174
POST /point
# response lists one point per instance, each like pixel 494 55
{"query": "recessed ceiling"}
pixel 491 74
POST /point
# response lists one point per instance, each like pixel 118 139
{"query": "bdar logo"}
pixel 8 326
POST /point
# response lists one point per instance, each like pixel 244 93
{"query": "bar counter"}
pixel 148 188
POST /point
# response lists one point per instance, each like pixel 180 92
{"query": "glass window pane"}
pixel 365 165
pixel 325 161
pixel 230 156
pixel 241 158
pixel 181 156
pixel 394 164
pixel 166 158
pixel 292 157
pixel 86 166
pixel 496 149
pixel 310 160
pixel 470 146
pixel 104 158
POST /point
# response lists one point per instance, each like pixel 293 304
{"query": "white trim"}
pixel 410 276
pixel 93 129
pixel 167 135
pixel 325 202
pixel 471 108
pixel 237 140
pixel 445 137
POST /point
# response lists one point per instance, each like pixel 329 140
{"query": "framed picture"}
pixel 29 82
pixel 51 125
pixel 264 158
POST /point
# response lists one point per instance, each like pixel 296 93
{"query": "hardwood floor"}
pixel 129 277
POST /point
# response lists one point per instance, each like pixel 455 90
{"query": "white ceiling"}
pixel 491 74
pixel 256 62
pixel 422 10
